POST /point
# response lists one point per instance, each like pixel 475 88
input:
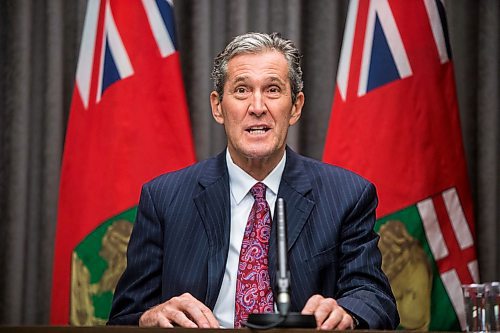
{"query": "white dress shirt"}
pixel 240 184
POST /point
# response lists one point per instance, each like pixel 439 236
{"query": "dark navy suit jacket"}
pixel 180 241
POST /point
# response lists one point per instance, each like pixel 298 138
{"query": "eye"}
pixel 274 91
pixel 241 92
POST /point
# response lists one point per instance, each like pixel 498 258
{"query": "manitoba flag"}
pixel 395 121
pixel 128 123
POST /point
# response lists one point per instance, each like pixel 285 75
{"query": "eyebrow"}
pixel 242 78
pixel 271 79
pixel 278 80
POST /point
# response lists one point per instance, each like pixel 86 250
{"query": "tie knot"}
pixel 258 191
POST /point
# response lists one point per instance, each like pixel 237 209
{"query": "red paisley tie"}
pixel 253 287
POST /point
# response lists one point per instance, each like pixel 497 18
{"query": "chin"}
pixel 256 155
pixel 259 152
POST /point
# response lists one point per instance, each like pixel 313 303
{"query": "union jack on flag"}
pixel 114 60
pixel 384 57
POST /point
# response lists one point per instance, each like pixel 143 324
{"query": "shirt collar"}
pixel 241 182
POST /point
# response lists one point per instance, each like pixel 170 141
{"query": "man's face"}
pixel 256 109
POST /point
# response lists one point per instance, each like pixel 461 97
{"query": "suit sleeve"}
pixel 139 288
pixel 364 289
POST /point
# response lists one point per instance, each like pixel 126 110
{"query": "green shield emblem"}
pixel 97 263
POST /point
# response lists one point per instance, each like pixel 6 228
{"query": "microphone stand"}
pixel 283 318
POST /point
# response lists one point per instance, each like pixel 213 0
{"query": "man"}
pixel 202 251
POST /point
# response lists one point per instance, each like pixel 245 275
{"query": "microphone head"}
pixel 282 274
pixel 280 209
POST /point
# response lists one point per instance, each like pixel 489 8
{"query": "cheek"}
pixel 232 123
pixel 286 121
pixel 234 113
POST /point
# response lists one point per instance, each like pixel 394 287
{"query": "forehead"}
pixel 257 65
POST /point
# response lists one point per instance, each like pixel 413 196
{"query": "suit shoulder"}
pixel 185 177
pixel 328 173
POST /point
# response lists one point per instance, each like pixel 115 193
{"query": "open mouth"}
pixel 258 130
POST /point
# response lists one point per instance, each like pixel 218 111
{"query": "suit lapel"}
pixel 214 208
pixel 295 188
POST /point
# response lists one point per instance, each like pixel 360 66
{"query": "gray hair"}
pixel 253 43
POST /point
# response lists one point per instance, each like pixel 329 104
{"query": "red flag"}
pixel 128 123
pixel 395 121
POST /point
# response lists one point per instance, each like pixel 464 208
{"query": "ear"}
pixel 215 103
pixel 297 109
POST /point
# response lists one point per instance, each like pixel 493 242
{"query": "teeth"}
pixel 253 131
pixel 257 130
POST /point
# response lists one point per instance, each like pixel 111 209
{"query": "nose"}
pixel 257 104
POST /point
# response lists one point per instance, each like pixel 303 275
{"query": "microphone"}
pixel 283 275
pixel 283 318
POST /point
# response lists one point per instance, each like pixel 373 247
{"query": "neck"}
pixel 258 168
